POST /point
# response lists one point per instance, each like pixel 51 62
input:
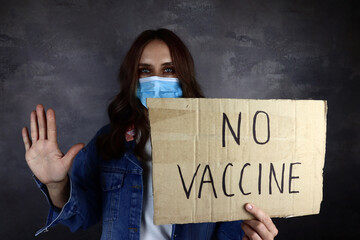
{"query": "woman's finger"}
pixel 34 127
pixel 71 154
pixel 249 232
pixel 245 237
pixel 262 217
pixel 25 136
pixel 51 125
pixel 40 112
pixel 259 228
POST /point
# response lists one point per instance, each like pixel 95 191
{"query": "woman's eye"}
pixel 169 70
pixel 144 70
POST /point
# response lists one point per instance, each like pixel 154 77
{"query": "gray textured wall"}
pixel 66 53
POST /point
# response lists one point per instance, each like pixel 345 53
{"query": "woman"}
pixel 106 181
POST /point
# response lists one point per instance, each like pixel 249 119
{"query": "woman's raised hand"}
pixel 43 155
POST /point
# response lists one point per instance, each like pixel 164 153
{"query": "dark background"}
pixel 65 54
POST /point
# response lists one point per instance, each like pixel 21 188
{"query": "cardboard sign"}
pixel 211 156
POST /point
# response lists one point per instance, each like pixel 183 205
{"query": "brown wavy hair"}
pixel 126 109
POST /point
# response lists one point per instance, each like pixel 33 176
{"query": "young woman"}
pixel 111 176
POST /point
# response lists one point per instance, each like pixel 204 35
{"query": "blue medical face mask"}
pixel 158 87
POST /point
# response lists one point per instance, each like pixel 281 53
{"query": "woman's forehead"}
pixel 155 52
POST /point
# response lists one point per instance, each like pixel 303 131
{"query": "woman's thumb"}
pixel 71 154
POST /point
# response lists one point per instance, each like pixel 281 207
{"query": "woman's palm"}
pixel 43 155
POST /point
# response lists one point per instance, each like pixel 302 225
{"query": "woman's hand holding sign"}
pixel 262 227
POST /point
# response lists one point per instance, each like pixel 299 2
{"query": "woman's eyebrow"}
pixel 144 65
pixel 167 64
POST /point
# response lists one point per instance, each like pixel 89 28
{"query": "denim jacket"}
pixel 112 191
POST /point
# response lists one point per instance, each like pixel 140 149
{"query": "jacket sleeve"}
pixel 229 231
pixel 83 208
